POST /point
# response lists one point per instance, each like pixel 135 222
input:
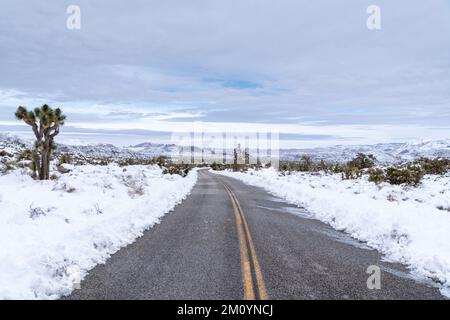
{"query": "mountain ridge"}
pixel 385 153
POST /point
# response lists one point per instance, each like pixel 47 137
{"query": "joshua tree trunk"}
pixel 45 152
pixel 36 165
pixel 45 165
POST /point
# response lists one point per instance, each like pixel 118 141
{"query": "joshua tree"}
pixel 45 123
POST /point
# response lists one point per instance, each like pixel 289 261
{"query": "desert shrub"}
pixel 349 173
pixel 136 188
pixel 434 166
pixel 11 165
pixel 25 155
pixel 36 212
pixel 104 162
pixel 337 168
pixel 161 161
pixel 180 169
pixel 62 186
pixel 410 175
pixel 65 158
pixel 377 175
pixel 306 164
pixel 239 167
pixel 134 162
pixel 217 166
pixel 324 166
pixel 362 161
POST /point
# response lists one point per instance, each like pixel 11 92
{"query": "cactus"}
pixel 45 123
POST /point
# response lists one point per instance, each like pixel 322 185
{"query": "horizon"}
pixel 28 137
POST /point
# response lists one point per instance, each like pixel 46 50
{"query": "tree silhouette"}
pixel 45 123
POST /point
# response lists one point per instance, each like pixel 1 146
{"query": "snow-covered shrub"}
pixel 176 169
pixel 434 166
pixel 410 175
pixel 65 158
pixel 362 161
pixel 136 185
pixel 350 173
pixel 377 175
pixel 37 212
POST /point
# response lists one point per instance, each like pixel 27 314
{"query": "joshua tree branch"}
pixel 35 130
pixel 55 132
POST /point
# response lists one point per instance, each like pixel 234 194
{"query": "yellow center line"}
pixel 258 273
pixel 240 217
pixel 249 294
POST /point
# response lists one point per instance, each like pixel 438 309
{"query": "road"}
pixel 228 240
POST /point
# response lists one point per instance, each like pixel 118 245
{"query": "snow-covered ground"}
pixel 53 232
pixel 408 225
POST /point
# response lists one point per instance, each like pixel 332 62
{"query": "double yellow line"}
pixel 245 238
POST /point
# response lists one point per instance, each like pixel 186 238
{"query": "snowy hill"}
pixel 11 145
pixel 384 152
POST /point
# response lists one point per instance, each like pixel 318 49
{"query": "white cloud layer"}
pixel 303 65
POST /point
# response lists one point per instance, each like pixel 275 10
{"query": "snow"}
pixel 53 232
pixel 408 225
pixel 385 153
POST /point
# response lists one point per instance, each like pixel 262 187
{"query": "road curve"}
pixel 228 240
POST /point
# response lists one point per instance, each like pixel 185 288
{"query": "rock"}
pixel 3 153
pixel 62 169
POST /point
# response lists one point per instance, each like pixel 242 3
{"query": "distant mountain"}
pixel 384 152
pixel 11 144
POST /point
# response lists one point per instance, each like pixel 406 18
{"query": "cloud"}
pixel 293 63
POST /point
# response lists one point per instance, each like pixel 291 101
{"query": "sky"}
pixel 140 70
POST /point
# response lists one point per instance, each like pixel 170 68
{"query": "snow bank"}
pixel 408 225
pixel 53 232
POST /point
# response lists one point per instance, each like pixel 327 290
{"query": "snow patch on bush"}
pixel 53 232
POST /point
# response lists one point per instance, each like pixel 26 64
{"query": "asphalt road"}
pixel 228 240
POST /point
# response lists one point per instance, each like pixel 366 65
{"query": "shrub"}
pixel 351 173
pixel 306 164
pixel 25 155
pixel 434 166
pixel 131 162
pixel 8 165
pixel 377 175
pixel 337 168
pixel 362 161
pixel 180 169
pixel 36 212
pixel 410 175
pixel 217 166
pixel 104 162
pixel 161 161
pixel 65 158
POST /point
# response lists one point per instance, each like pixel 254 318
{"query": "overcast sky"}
pixel 311 69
